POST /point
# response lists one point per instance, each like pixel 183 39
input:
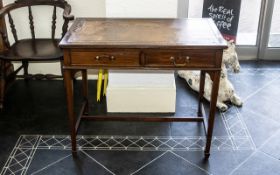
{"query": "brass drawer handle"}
pixel 186 61
pixel 110 57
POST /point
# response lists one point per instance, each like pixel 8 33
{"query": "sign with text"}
pixel 225 13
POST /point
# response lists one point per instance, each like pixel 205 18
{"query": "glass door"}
pixel 270 49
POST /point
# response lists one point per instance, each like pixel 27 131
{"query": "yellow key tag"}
pixel 99 84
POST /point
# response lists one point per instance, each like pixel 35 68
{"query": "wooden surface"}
pixel 142 44
pixel 143 33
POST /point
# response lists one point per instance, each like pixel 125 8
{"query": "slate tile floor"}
pixel 34 133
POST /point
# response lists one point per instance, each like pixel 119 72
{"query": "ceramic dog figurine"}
pixel 226 89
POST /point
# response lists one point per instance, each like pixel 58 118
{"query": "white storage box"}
pixel 141 92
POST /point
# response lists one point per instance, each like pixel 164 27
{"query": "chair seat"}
pixel 33 50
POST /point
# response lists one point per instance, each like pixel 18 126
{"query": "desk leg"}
pixel 201 91
pixel 85 90
pixel 215 76
pixel 70 105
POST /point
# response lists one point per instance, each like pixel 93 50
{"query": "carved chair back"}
pixel 6 11
pixel 33 48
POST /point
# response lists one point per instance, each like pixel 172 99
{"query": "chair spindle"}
pixel 53 22
pixel 31 22
pixel 12 25
pixel 64 27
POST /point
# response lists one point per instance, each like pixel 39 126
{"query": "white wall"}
pixel 42 21
pixel 141 8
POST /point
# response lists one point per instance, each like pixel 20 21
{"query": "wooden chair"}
pixel 32 49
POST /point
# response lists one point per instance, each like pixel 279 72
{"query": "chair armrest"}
pixel 66 12
pixel 4 10
pixel 68 17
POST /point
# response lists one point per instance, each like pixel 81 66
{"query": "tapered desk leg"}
pixel 214 95
pixel 201 91
pixel 69 94
pixel 85 90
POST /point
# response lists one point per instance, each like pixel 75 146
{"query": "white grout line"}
pixel 18 162
pixel 39 137
pixel 228 130
pixel 267 118
pixel 245 128
pixel 193 140
pixel 191 163
pixel 257 91
pixel 243 162
pixel 268 155
pixel 49 165
pixel 148 163
pixel 97 162
pixel 34 149
pixel 257 150
pixel 272 120
pixel 10 156
pixel 269 139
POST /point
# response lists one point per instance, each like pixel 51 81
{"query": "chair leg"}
pixel 2 83
pixel 25 70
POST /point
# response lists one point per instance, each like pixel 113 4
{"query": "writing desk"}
pixel 191 44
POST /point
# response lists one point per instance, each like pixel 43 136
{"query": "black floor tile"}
pixel 270 90
pixel 272 147
pixel 249 83
pixel 107 128
pixel 263 105
pixel 170 163
pixel 196 129
pixel 219 163
pixel 123 162
pixel 125 128
pixel 185 95
pixel 187 129
pixel 43 159
pixel 260 127
pixel 7 142
pixel 68 165
pixel 153 129
pixel 259 164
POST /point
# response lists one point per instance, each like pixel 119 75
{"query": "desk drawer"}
pixel 105 58
pixel 186 58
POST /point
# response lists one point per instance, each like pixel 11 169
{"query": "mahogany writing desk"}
pixel 191 44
